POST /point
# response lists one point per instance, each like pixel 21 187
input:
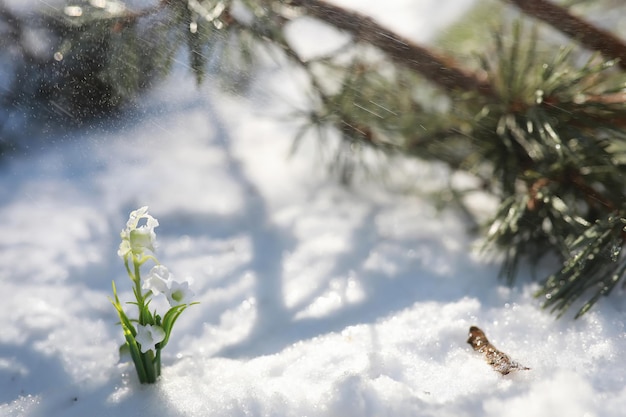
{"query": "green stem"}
pixel 138 295
pixel 130 273
pixel 149 365
pixel 142 370
pixel 129 335
pixel 157 362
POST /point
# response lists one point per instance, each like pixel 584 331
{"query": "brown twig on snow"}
pixel 584 32
pixel 440 69
pixel 498 360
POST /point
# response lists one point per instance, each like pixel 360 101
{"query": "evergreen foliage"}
pixel 542 128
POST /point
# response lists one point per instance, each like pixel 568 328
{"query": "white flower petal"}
pixel 135 238
pixel 148 336
pixel 178 293
pixel 123 249
pixel 157 280
pixel 135 216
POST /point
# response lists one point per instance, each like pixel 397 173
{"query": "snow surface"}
pixel 316 300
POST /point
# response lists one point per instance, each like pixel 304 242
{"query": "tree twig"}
pixel 439 69
pixel 576 28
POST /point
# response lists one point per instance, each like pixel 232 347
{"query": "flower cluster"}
pixel 148 334
pixel 160 280
pixel 137 239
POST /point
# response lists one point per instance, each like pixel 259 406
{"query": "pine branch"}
pixel 441 70
pixel 596 265
pixel 544 136
pixel 576 28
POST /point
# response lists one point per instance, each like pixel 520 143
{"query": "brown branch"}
pixel 441 70
pixel 576 28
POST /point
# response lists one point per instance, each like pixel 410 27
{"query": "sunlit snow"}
pixel 315 299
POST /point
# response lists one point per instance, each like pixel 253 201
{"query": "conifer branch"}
pixel 592 37
pixel 441 70
pixel 543 134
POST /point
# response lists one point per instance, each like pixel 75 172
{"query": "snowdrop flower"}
pixel 178 293
pixel 150 333
pixel 160 280
pixel 157 280
pixel 137 239
pixel 148 336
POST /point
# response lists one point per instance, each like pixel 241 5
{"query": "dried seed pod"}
pixel 499 361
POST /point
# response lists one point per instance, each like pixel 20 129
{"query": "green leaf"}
pixel 169 319
pixel 129 334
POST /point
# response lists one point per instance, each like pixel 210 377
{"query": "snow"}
pixel 315 299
